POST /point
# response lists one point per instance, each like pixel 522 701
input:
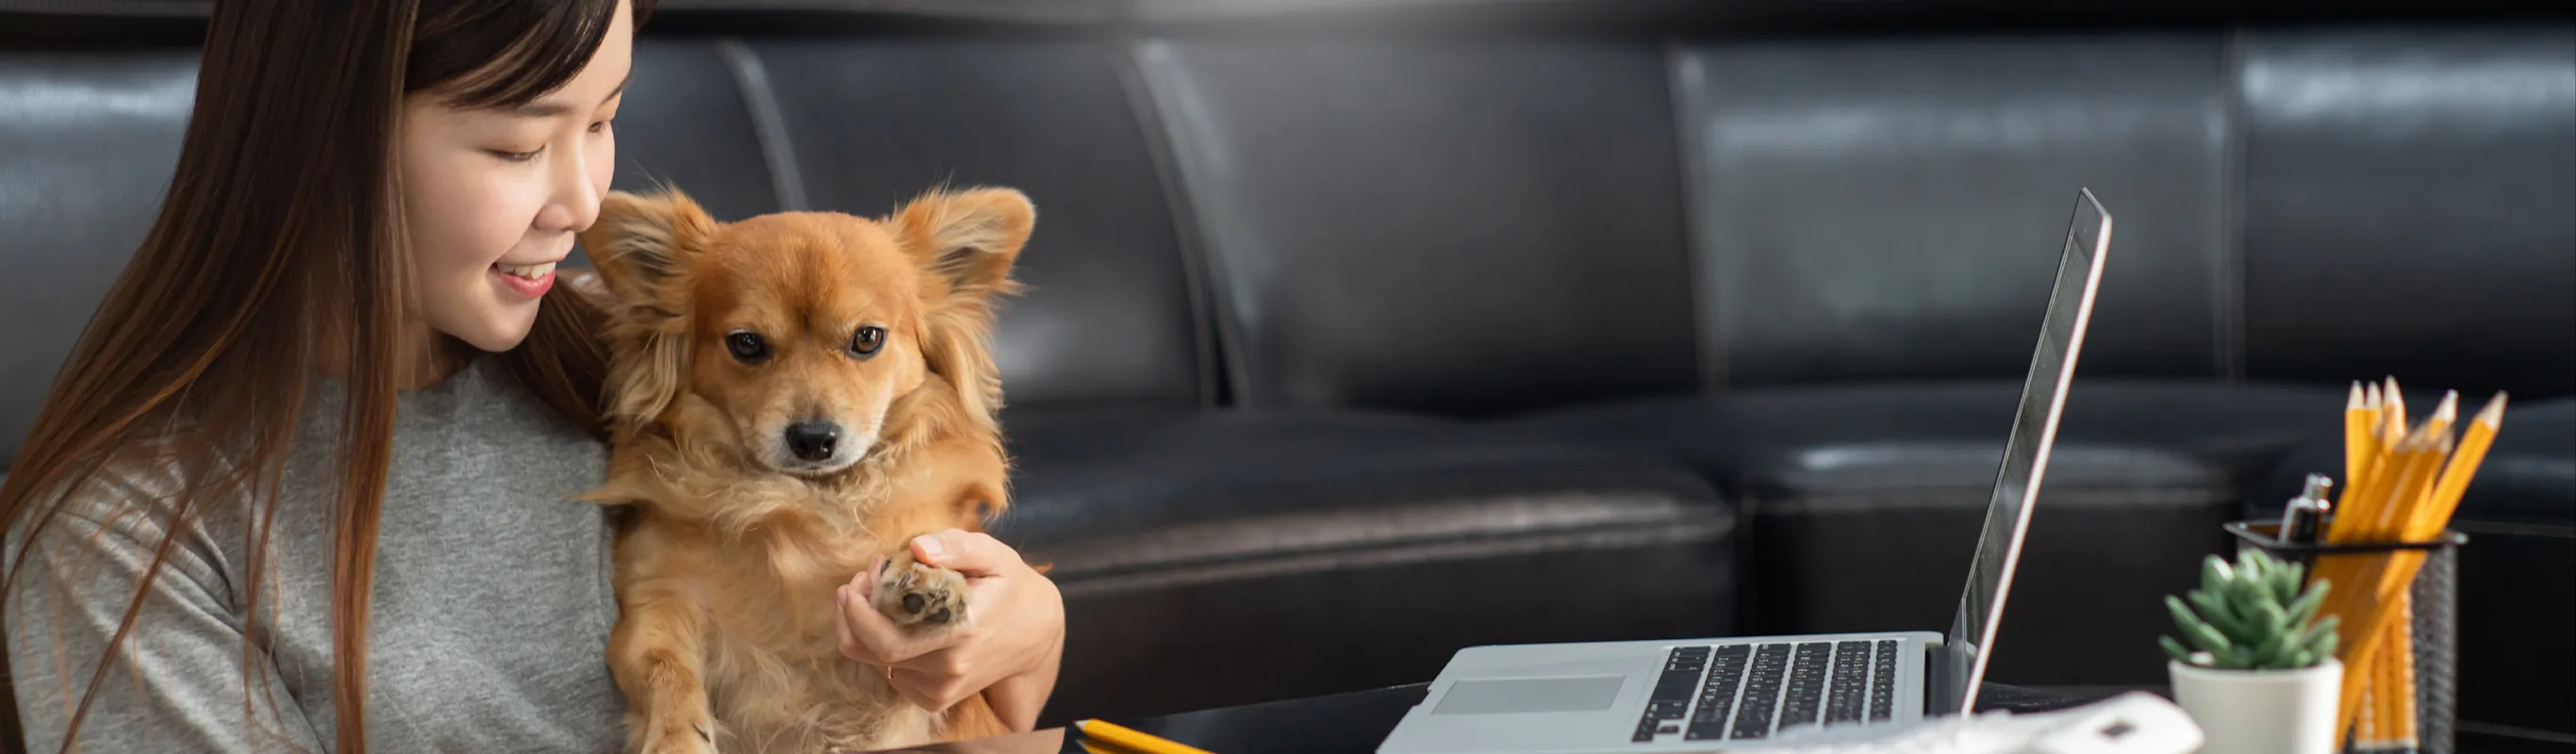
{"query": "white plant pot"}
pixel 2261 711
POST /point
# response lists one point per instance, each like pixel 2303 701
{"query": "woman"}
pixel 308 472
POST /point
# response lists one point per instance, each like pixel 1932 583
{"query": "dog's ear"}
pixel 640 240
pixel 970 238
pixel 641 246
pixel 968 241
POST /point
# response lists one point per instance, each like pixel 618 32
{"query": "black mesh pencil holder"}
pixel 2434 598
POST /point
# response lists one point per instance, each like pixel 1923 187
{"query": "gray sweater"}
pixel 492 598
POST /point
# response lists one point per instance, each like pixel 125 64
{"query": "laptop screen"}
pixel 1961 664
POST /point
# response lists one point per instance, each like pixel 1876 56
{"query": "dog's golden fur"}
pixel 727 570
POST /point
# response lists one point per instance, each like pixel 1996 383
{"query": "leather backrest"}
pixel 1895 208
pixel 1110 315
pixel 2407 206
pixel 88 139
pixel 684 123
pixel 1454 226
pixel 87 147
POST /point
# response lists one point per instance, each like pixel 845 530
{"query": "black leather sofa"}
pixel 1359 336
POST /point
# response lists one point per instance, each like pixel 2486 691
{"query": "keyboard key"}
pixel 1882 682
pixel 1846 702
pixel 1717 694
pixel 1761 696
pixel 1678 683
pixel 1805 696
pixel 1707 731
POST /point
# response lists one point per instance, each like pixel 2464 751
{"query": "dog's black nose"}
pixel 813 441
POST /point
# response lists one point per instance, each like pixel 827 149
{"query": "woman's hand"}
pixel 1009 648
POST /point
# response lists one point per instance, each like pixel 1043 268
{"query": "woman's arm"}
pixel 1018 699
pixel 1009 653
pixel 177 682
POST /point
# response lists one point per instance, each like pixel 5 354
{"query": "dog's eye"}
pixel 867 340
pixel 746 345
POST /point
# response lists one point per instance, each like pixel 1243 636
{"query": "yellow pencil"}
pixel 2395 414
pixel 2429 518
pixel 2357 416
pixel 2385 641
pixel 1126 738
pixel 2436 513
pixel 2365 606
pixel 2375 511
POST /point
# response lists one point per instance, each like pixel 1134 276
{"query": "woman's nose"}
pixel 574 202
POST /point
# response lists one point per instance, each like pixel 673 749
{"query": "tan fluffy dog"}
pixel 794 395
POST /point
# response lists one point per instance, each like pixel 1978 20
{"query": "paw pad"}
pixel 921 596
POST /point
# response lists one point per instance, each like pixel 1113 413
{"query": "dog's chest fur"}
pixel 767 585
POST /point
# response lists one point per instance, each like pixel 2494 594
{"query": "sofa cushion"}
pixel 87 146
pixel 1183 541
pixel 1893 207
pixel 1441 225
pixel 1864 503
pixel 2424 170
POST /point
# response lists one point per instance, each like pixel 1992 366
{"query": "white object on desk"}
pixel 2131 723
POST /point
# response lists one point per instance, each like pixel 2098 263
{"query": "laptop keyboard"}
pixel 1749 691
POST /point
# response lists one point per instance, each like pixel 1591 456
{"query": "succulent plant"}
pixel 2252 616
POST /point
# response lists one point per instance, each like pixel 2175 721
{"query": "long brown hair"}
pixel 277 246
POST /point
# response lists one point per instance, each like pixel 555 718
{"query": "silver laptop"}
pixel 1747 693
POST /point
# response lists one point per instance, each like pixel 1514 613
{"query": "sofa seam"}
pixel 768 122
pixel 1186 571
pixel 1708 335
pixel 1210 374
pixel 1222 353
pixel 2229 298
pixel 2094 499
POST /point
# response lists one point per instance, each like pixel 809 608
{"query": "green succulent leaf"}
pixel 2271 620
pixel 2305 610
pixel 2275 650
pixel 2214 574
pixel 2215 612
pixel 2256 612
pixel 2176 649
pixel 2200 632
pixel 2321 638
pixel 2285 585
pixel 2181 613
pixel 2201 635
pixel 2246 598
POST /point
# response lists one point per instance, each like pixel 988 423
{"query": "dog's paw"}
pixel 681 738
pixel 919 596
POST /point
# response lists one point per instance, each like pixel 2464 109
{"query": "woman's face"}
pixel 492 197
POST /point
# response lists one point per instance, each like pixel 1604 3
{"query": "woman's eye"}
pixel 867 341
pixel 746 346
pixel 599 127
pixel 518 156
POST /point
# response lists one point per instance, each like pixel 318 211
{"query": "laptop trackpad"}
pixel 1517 695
